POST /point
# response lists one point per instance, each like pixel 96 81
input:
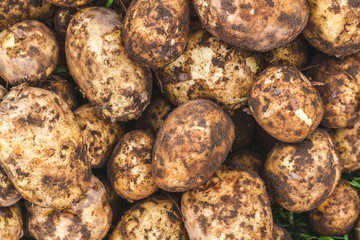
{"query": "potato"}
pixel 90 218
pixel 12 11
pixel 62 18
pixel 101 135
pixel 28 52
pixel 155 32
pixel 41 148
pixel 301 176
pixel 233 204
pixel 244 129
pixel 153 218
pixel 11 222
pixel 248 159
pixel 98 62
pixel 337 215
pixel 280 233
pixel 8 194
pixel 129 167
pixel 258 25
pixel 333 26
pixel 70 3
pixel 191 145
pixel 210 69
pixel 285 104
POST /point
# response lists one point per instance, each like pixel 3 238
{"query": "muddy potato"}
pixel 191 145
pixel 302 175
pixel 155 32
pixel 95 50
pixel 280 233
pixel 246 158
pixel 90 218
pixel 101 134
pixel 211 69
pixel 337 215
pixel 258 25
pixel 70 3
pixel 285 104
pixel 62 18
pixel 233 204
pixel 8 194
pixel 11 222
pixel 129 167
pixel 28 52
pixel 244 129
pixel 41 145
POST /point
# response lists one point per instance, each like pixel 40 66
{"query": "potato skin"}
pixel 246 158
pixel 257 25
pixel 233 204
pixel 70 3
pixel 62 18
pixel 285 104
pixel 8 194
pixel 11 222
pixel 41 146
pixel 302 175
pixel 155 32
pixel 280 233
pixel 28 52
pixel 191 145
pixel 94 50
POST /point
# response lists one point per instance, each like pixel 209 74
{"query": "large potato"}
pixel 258 25
pixel 98 62
pixel 11 223
pixel 233 204
pixel 8 194
pixel 191 145
pixel 41 148
pixel 155 32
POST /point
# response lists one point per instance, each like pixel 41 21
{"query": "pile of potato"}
pixel 140 120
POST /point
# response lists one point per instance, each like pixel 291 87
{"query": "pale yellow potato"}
pixel 11 222
pixel 70 3
pixel 246 158
pixel 8 194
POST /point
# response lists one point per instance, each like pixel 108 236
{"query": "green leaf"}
pixel 109 2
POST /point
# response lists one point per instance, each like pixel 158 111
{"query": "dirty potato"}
pixel 129 168
pixel 246 158
pixel 8 194
pixel 11 223
pixel 302 175
pixel 70 3
pixel 28 52
pixel 41 147
pixel 257 25
pixel 280 233
pixel 285 104
pixel 233 204
pixel 244 129
pixel 191 145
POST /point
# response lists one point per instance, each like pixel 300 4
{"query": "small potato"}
pixel 11 223
pixel 301 176
pixel 244 129
pixel 90 218
pixel 280 233
pixel 191 145
pixel 257 25
pixel 70 3
pixel 337 215
pixel 101 134
pixel 8 194
pixel 153 218
pixel 28 52
pixel 129 167
pixel 285 104
pixel 248 159
pixel 233 204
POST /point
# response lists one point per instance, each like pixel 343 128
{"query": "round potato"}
pixel 191 145
pixel 101 134
pixel 155 32
pixel 233 204
pixel 28 52
pixel 62 18
pixel 8 194
pixel 257 25
pixel 95 50
pixel 129 168
pixel 301 176
pixel 285 104
pixel 90 218
pixel 337 215
pixel 156 217
pixel 280 233
pixel 11 223
pixel 333 26
pixel 70 3
pixel 246 158
pixel 41 148
pixel 244 129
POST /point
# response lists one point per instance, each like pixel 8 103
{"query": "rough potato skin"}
pixel 156 217
pixel 8 194
pixel 210 69
pixel 155 32
pixel 333 26
pixel 11 223
pixel 285 104
pixel 302 175
pixel 191 145
pixel 257 25
pixel 232 205
pixel 70 3
pixel 337 215
pixel 129 167
pixel 41 148
pixel 244 129
pixel 246 158
pixel 28 52
pixel 90 218
pixel 280 233
pixel 99 63
pixel 101 134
